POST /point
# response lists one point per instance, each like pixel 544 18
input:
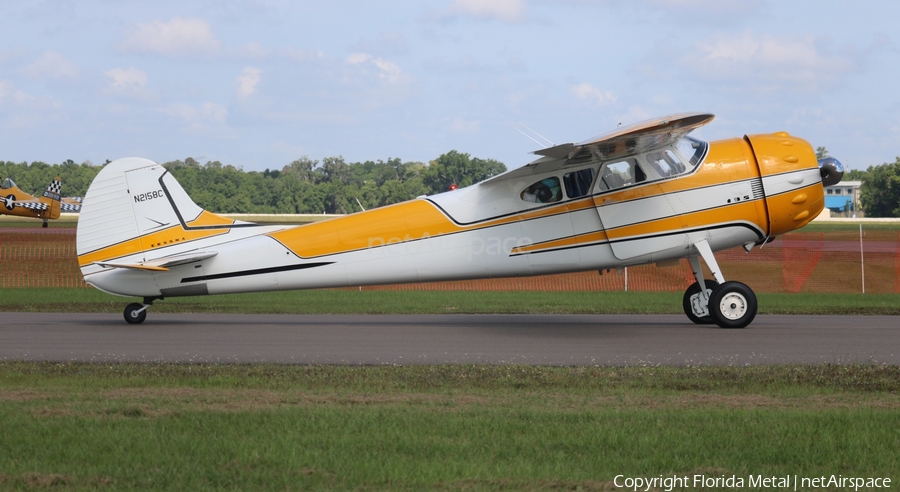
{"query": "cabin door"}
pixel 638 216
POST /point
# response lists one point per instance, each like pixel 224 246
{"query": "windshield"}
pixel 7 184
pixel 692 150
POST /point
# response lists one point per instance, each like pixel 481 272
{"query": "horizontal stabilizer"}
pixel 163 264
pixel 134 266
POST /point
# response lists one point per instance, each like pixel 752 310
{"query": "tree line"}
pixel 330 186
pixel 335 186
pixel 879 194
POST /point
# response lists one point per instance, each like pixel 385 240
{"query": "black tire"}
pixel 132 316
pixel 732 305
pixel 45 225
pixel 686 302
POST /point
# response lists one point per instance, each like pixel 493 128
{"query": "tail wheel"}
pixel 732 305
pixel 135 313
pixel 687 302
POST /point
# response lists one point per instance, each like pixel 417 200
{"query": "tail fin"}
pixel 51 198
pixel 135 205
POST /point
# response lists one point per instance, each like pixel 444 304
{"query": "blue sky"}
pixel 260 83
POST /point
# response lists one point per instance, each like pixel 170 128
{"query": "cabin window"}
pixel 7 184
pixel 665 163
pixel 547 190
pixel 578 183
pixel 618 174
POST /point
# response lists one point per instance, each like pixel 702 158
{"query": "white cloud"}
pixel 51 64
pixel 127 80
pixel 214 112
pixel 22 110
pixel 386 70
pixel 5 90
pixel 766 61
pixel 460 125
pixel 391 43
pixel 716 6
pixel 254 50
pixel 504 10
pixel 177 37
pixel 593 94
pixel 299 55
pixel 198 118
pixel 247 81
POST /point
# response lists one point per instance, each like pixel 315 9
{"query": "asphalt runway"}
pixel 448 339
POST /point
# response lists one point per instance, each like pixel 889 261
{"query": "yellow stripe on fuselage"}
pixel 159 239
pixel 408 221
pixel 210 219
pixel 566 242
pixel 738 212
pixel 402 222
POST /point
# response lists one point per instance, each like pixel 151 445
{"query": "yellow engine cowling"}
pixel 791 180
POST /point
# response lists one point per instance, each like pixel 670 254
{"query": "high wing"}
pixel 632 139
pixel 163 264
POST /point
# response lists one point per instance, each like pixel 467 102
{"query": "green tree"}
pixel 880 191
pixel 459 169
pixel 302 168
pixel 855 175
pixel 821 152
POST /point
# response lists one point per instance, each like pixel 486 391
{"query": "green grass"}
pixel 849 226
pixel 433 302
pixel 240 427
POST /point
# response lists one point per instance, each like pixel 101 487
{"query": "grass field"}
pixel 243 427
pixel 448 428
pixel 349 301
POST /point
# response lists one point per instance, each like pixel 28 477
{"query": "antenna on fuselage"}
pixel 542 144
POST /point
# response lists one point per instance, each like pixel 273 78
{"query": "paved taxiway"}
pixel 438 339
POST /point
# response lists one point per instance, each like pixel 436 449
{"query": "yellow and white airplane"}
pixel 14 201
pixel 646 193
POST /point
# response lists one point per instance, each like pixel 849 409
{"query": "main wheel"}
pixel 691 291
pixel 732 305
pixel 134 315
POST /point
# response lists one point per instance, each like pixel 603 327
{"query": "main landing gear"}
pixel 136 313
pixel 727 304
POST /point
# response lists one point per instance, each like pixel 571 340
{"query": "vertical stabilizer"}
pixel 135 207
pixel 51 199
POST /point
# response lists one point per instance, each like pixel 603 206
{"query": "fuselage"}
pixel 588 214
pixel 14 201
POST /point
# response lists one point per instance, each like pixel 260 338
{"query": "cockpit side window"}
pixel 665 163
pixel 615 175
pixel 547 190
pixel 578 183
pixel 661 163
